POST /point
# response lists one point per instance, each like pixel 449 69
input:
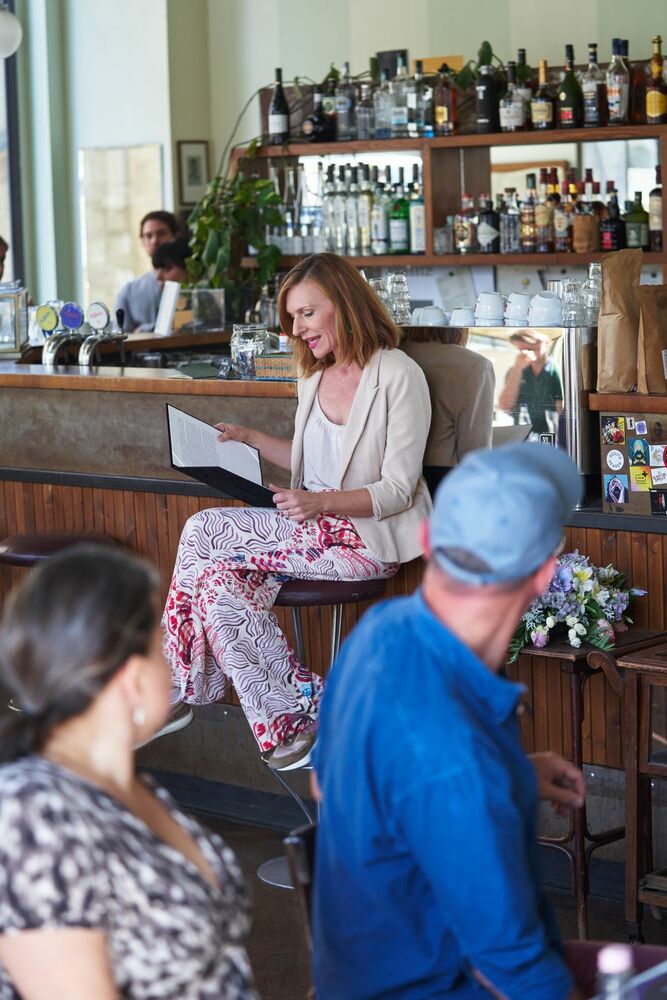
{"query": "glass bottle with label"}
pixel 339 212
pixel 512 107
pixel 544 217
pixel 445 114
pixel 510 223
pixel 655 214
pixel 488 226
pixel 379 217
pixel 352 214
pixel 486 101
pixel 594 89
pixel 417 217
pixel 345 106
pixel 318 127
pixel 289 213
pixel 399 218
pixel 278 113
pixel 636 225
pixel 329 102
pixel 399 96
pixel 464 226
pixel 542 103
pixel 383 103
pixel 528 228
pixel 618 86
pixel 524 83
pixel 365 206
pixel 563 221
pixel 365 113
pixel 585 226
pixel 637 95
pixel 656 88
pixel 415 98
pixel 328 223
pixel 569 96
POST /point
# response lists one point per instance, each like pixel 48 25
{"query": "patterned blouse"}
pixel 72 856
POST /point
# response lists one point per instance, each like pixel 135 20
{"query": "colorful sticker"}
pixel 640 427
pixel 657 430
pixel 616 489
pixel 613 430
pixel 47 317
pixel 659 477
pixel 615 460
pixel 630 422
pixel 658 453
pixel 659 502
pixel 640 478
pixel 638 451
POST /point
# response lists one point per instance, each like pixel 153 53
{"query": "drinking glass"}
pixel 574 312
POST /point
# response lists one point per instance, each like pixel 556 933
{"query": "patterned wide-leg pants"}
pixel 218 622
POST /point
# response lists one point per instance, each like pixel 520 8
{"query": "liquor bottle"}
pixel 585 226
pixel 655 214
pixel 599 207
pixel 512 107
pixel 618 86
pixel 278 113
pixel 399 218
pixel 488 226
pixel 542 103
pixel 636 225
pixel 527 220
pixel 445 113
pixel 544 217
pixel 318 127
pixel 329 101
pixel 612 229
pixel 345 105
pixel 594 89
pixel 554 186
pixel 383 103
pixel 510 224
pixel 301 215
pixel 464 226
pixel 339 212
pixel 379 218
pixel 289 213
pixel 416 216
pixel 563 221
pixel 316 214
pixel 656 88
pixel 637 94
pixel 415 99
pixel 524 83
pixel 486 101
pixel 274 235
pixel 365 206
pixel 399 95
pixel 365 113
pixel 570 98
pixel 352 214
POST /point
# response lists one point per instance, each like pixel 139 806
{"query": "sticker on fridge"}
pixel 616 489
pixel 658 453
pixel 640 478
pixel 638 452
pixel 613 430
pixel 659 477
pixel 659 502
pixel 615 460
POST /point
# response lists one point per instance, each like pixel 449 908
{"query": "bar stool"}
pixel 33 547
pixel 297 594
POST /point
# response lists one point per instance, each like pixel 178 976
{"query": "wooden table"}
pixel 579 665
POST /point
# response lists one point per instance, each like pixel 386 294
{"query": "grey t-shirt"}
pixel 140 299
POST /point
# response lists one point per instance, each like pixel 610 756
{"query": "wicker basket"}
pixel 275 366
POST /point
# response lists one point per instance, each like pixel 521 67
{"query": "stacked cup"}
pixel 516 309
pixel 490 309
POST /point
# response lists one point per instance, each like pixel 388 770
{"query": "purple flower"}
pixel 562 579
pixel 539 637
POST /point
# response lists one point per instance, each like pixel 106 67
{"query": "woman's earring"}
pixel 139 716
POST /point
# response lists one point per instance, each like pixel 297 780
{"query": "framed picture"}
pixel 193 172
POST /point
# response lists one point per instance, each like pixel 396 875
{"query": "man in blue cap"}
pixel 427 879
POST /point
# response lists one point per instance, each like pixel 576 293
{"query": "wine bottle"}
pixel 636 225
pixel 655 214
pixel 542 104
pixel 486 97
pixel 656 88
pixel 570 98
pixel 278 113
pixel 318 126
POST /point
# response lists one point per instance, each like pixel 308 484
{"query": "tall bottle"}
pixel 585 225
pixel 524 83
pixel 655 214
pixel 365 205
pixel 612 228
pixel 594 89
pixel 379 217
pixel 486 101
pixel 365 113
pixel 383 104
pixel 274 235
pixel 563 221
pixel 570 99
pixel 416 104
pixel 618 86
pixel 340 212
pixel 399 218
pixel 329 101
pixel 637 95
pixel 464 226
pixel 278 113
pixel 542 102
pixel 656 88
pixel 512 107
pixel 318 126
pixel 352 214
pixel 416 215
pixel 445 112
pixel 636 225
pixel 290 209
pixel 488 226
pixel 345 105
pixel 399 94
pixel 544 217
pixel 510 224
pixel 528 227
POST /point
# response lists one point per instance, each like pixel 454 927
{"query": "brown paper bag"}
pixel 652 338
pixel 618 325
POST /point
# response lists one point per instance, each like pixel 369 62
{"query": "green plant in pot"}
pixel 234 214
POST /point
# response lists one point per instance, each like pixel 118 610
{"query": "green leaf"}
pixel 211 247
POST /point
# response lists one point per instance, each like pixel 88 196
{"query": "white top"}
pixel 321 450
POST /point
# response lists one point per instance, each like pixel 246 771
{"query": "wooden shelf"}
pixel 472 259
pixel 627 402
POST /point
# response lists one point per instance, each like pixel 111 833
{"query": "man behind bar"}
pixel 427 878
pixel 140 299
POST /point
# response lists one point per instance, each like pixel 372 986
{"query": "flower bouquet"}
pixel 584 603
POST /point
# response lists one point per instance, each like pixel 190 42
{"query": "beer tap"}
pixel 98 319
pixel 71 319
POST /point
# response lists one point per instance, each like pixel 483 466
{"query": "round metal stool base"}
pixel 276 873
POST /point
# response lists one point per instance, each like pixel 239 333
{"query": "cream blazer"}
pixel 382 449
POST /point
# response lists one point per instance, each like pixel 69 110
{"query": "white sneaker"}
pixel 180 716
pixel 295 751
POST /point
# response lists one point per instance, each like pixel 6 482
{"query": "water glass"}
pixel 574 311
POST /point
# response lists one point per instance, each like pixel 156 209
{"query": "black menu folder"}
pixel 230 467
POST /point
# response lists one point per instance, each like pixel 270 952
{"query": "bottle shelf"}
pixel 471 260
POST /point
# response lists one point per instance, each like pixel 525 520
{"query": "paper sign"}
pixel 641 427
pixel 640 478
pixel 658 454
pixel 615 460
pixel 659 477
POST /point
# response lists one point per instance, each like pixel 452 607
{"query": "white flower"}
pixel 571 620
pixel 580 629
pixel 551 622
pixel 572 635
pixel 576 642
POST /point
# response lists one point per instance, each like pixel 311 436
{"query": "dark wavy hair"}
pixel 65 631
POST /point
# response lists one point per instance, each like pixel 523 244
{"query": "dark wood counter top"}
pixel 630 402
pixel 143 380
pixel 178 340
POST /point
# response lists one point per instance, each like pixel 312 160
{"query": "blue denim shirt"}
pixel 427 860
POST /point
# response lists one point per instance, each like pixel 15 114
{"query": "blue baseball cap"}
pixel 500 513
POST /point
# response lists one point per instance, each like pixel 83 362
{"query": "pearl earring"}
pixel 139 715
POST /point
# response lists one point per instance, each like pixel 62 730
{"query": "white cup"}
pixel 490 306
pixel 546 309
pixel 432 316
pixel 463 316
pixel 517 305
